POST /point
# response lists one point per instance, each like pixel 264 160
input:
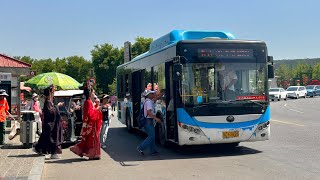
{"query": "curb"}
pixel 37 168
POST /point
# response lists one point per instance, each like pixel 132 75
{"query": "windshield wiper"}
pixel 248 100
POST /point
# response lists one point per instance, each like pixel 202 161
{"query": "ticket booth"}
pixel 10 72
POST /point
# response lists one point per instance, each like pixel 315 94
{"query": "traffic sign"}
pixel 33 73
pixel 92 81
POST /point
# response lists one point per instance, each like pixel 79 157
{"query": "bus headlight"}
pixel 263 126
pixel 191 129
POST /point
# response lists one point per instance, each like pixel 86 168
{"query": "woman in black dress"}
pixel 52 133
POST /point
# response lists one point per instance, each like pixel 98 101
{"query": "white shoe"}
pixel 55 156
pixel 34 150
pixel 47 157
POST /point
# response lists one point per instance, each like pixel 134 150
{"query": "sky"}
pixel 61 28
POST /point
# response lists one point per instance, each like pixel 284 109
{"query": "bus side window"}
pixel 147 78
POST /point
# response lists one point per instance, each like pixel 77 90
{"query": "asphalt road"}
pixel 293 152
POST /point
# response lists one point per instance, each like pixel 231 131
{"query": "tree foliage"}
pixel 105 59
pixel 288 70
pixel 316 71
pixel 113 87
pixel 141 46
pixel 78 68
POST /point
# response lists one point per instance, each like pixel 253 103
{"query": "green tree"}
pixel 26 59
pixel 302 68
pixel 316 71
pixel 60 65
pixel 112 87
pixel 140 46
pixel 43 65
pixel 283 72
pixel 77 67
pixel 105 59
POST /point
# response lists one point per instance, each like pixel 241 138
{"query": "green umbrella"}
pixel 60 81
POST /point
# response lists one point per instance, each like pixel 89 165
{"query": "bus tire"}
pixel 128 122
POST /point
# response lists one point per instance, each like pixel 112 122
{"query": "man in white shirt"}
pixel 228 79
pixel 149 127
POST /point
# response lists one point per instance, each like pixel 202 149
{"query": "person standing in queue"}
pixel 51 137
pixel 149 126
pixel 4 111
pixel 35 106
pixel 106 119
pixel 113 100
pixel 90 132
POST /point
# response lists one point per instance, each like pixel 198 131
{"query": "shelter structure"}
pixel 10 71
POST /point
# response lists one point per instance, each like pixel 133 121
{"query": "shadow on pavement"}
pixel 24 155
pixel 121 147
pixel 66 161
pixel 10 146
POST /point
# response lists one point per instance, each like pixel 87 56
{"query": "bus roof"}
pixel 175 36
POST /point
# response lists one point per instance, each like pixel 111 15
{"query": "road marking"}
pixel 285 105
pixel 296 111
pixel 284 122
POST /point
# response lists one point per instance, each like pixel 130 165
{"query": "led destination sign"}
pixel 225 53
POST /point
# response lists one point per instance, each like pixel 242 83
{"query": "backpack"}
pixel 105 112
pixel 142 120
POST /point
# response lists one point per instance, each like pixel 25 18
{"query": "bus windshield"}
pixel 204 83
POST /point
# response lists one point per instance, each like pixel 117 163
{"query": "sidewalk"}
pixel 17 162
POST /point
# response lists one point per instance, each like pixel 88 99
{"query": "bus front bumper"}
pixel 187 136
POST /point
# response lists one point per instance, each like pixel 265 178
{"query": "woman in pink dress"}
pixel 90 133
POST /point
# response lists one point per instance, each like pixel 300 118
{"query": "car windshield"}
pixel 292 89
pixel 310 87
pixel 273 90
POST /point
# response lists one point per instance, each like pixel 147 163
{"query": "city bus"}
pixel 210 88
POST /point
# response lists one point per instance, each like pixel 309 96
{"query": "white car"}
pixel 297 92
pixel 277 93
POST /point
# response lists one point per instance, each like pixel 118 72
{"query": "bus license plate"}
pixel 230 134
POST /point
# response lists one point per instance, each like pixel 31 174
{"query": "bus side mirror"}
pixel 270 71
pixel 270 67
pixel 177 72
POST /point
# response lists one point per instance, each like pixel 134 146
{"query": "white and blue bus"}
pixel 211 88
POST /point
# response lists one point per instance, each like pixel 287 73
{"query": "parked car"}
pixel 296 92
pixel 277 93
pixel 313 90
pixel 71 113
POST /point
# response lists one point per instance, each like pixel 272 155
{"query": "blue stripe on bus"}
pixel 185 118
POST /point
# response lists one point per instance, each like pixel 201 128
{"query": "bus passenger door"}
pixel 170 101
pixel 136 95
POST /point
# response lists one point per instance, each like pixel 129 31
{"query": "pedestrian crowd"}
pixel 96 119
pixel 95 125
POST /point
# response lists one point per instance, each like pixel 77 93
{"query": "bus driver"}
pixel 228 78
